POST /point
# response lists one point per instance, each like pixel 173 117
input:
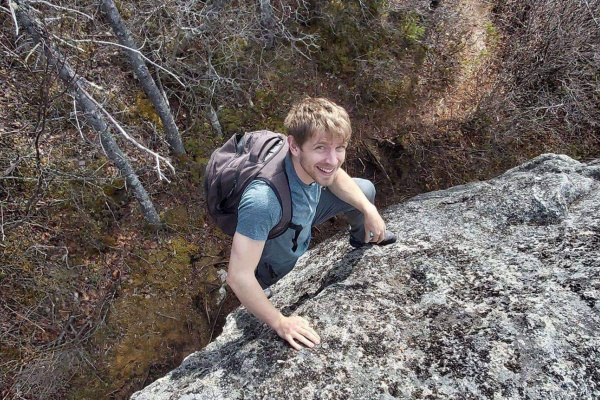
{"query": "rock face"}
pixel 492 291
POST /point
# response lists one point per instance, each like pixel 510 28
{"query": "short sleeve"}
pixel 258 212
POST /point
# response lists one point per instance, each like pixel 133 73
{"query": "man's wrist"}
pixel 274 322
pixel 367 207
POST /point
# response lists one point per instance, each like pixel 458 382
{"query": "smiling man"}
pixel 318 133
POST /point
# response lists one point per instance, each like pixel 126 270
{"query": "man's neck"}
pixel 302 174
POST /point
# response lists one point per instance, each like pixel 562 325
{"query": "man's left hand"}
pixel 373 225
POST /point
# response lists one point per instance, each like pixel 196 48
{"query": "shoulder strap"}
pixel 275 176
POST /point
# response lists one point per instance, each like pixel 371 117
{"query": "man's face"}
pixel 319 158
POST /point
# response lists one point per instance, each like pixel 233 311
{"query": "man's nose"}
pixel 332 157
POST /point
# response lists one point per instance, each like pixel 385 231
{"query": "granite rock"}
pixel 491 292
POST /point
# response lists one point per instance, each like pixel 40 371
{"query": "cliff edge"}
pixel 492 291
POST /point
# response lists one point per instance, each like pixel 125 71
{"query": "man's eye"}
pixel 341 148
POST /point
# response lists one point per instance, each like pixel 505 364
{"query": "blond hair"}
pixel 314 115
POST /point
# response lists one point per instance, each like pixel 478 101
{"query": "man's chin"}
pixel 326 181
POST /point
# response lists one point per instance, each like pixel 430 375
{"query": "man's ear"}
pixel 294 148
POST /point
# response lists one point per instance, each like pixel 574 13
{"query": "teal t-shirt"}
pixel 259 211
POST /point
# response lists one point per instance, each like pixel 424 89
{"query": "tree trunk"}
pixel 93 114
pixel 267 23
pixel 141 72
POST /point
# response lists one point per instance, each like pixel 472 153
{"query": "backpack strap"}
pixel 275 176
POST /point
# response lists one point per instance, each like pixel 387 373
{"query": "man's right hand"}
pixel 296 328
pixel 245 255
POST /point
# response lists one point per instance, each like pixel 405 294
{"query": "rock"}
pixel 492 291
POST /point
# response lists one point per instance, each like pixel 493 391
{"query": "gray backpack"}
pixel 243 158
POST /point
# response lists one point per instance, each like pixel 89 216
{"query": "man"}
pixel 318 134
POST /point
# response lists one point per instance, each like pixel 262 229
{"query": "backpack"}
pixel 243 158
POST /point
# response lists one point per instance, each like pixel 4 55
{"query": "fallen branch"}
pixel 136 59
pixel 2 222
pixel 14 17
pixel 122 131
pixel 166 316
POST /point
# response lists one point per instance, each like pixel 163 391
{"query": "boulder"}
pixel 492 291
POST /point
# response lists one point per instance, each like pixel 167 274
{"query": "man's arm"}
pixel 245 255
pixel 348 191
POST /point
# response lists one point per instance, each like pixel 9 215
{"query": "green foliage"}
pixel 153 313
pixel 492 36
pixel 398 91
pixel 114 187
pixel 183 219
pixel 411 28
pixel 267 111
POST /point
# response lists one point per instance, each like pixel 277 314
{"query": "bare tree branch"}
pixel 267 23
pixel 75 85
pixel 136 59
pixel 77 119
pixel 62 8
pixel 587 5
pixel 135 51
pixel 2 222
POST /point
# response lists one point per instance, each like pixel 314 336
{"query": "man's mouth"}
pixel 326 171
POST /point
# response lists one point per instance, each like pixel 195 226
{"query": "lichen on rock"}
pixel 492 291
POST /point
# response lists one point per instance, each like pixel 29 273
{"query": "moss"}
pixel 138 337
pixel 153 330
pixel 176 216
pixel 266 111
pixel 201 146
pixel 114 187
pixel 263 115
pixel 122 9
pixel 165 265
pixel 231 120
pixel 107 240
pixel 182 220
pixel 197 171
pixel 199 149
pixel 90 389
pixel 144 110
pixel 396 91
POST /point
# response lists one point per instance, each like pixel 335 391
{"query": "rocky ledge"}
pixel 492 291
